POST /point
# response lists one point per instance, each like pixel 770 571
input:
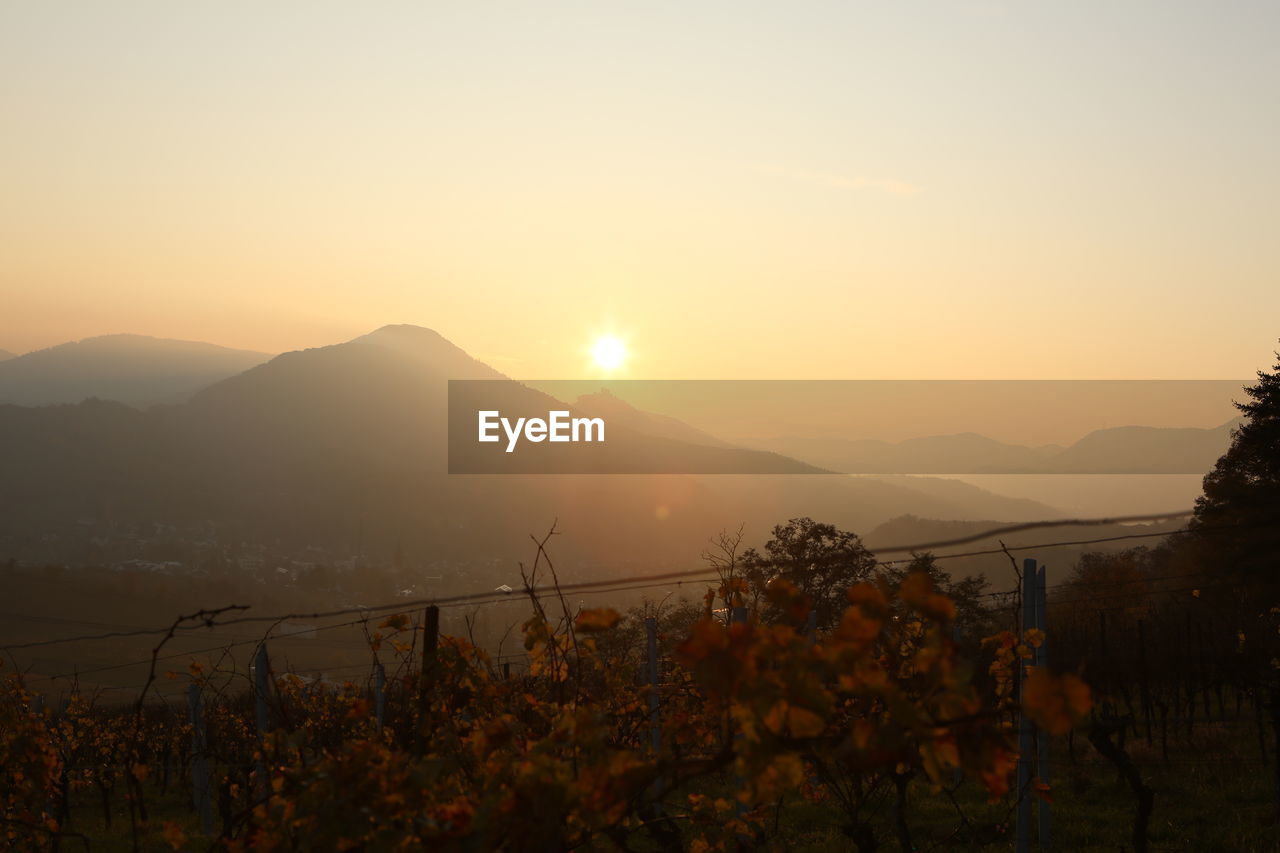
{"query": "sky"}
pixel 935 190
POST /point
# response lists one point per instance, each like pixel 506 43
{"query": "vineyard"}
pixel 752 719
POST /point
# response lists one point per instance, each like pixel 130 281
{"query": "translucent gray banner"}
pixel 839 427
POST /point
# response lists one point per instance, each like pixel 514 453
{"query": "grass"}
pixel 1213 795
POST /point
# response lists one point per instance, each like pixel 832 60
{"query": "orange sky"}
pixel 942 190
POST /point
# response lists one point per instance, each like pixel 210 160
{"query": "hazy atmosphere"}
pixel 944 190
pixel 645 428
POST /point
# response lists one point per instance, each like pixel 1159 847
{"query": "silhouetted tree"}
pixel 819 559
pixel 1239 514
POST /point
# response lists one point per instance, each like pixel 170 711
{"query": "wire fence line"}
pixel 651 580
pixel 665 580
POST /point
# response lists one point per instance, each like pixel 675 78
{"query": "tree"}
pixel 1238 517
pixel 969 594
pixel 818 559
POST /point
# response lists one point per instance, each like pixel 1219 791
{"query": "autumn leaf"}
pixel 174 835
pixel 784 718
pixel 858 628
pixel 915 588
pixel 788 598
pixel 995 776
pixel 784 773
pixel 939 608
pixel 1055 702
pixel 396 622
pixel 869 597
pixel 592 621
pixel 917 591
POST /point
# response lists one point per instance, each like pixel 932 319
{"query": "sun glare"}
pixel 608 352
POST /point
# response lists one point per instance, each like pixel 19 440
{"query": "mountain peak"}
pixel 426 347
pixel 604 400
pixel 402 331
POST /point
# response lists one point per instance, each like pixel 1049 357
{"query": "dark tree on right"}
pixel 1237 520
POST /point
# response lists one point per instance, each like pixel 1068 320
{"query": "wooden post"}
pixel 199 760
pixel 1144 688
pixel 1187 668
pixel 739 615
pixel 262 713
pixel 430 647
pixel 957 774
pixel 1042 737
pixel 1202 664
pixel 261 688
pixel 1026 744
pixel 1274 707
pixel 379 694
pixel 655 729
pixel 1262 734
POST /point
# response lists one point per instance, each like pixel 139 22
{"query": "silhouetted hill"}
pixel 1146 450
pixel 964 453
pixel 1116 450
pixel 339 452
pixel 5 355
pixel 618 411
pixel 132 369
pixel 381 401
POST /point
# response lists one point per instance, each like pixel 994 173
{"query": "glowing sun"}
pixel 608 352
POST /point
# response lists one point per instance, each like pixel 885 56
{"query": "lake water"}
pixel 1094 494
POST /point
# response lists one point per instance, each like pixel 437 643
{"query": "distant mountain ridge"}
pixel 1113 450
pixel 5 355
pixel 133 369
pixel 605 404
pixel 340 450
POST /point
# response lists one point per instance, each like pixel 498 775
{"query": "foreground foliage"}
pixel 582 752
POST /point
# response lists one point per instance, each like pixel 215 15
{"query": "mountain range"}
pixel 340 450
pixel 143 371
pixel 1115 450
pixel 132 369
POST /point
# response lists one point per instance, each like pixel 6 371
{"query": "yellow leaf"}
pixel 174 835
pixel 915 587
pixel 804 723
pixel 1055 703
pixel 601 619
